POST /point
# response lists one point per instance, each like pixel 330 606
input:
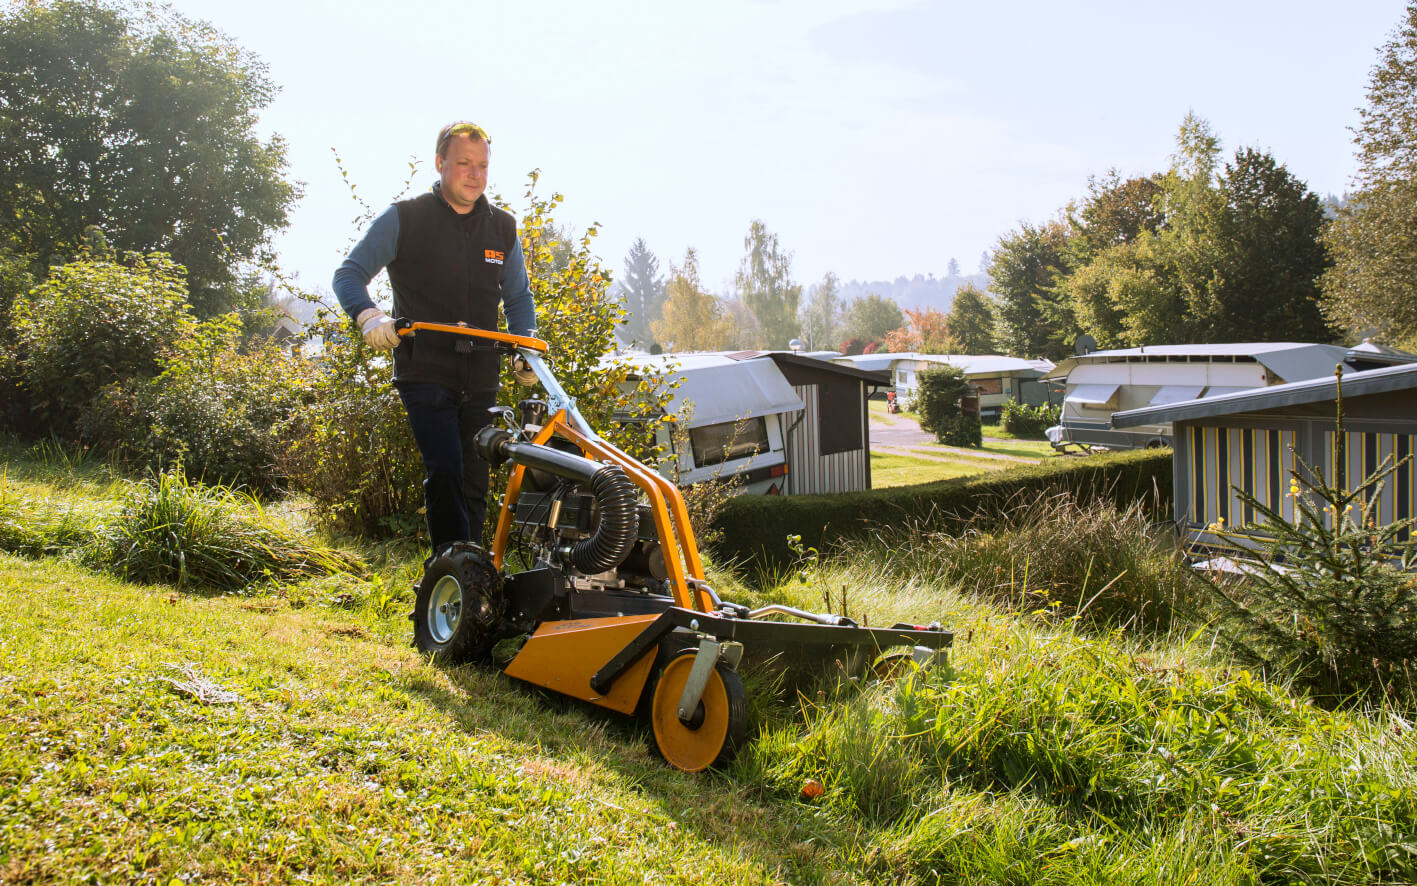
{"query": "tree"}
pixel 1372 286
pixel 139 121
pixel 764 281
pixel 1034 317
pixel 642 290
pixel 1116 212
pixel 952 269
pixel 926 330
pixel 869 318
pixel 1267 254
pixel 692 319
pixel 971 322
pixel 821 316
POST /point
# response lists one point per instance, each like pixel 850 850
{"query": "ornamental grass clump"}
pixel 170 530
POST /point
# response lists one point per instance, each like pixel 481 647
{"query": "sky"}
pixel 876 139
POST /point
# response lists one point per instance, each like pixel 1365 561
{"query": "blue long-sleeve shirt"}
pixel 380 246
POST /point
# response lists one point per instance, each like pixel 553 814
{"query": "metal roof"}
pixel 723 389
pixel 1289 360
pixel 1316 390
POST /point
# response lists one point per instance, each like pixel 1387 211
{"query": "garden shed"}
pixel 1254 441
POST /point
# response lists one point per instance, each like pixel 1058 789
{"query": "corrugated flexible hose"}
pixel 614 492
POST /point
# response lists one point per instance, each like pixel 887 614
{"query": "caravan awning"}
pixel 1175 394
pixel 1096 396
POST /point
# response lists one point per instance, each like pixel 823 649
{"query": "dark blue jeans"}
pixel 444 421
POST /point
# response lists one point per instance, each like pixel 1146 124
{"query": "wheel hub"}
pixel 446 611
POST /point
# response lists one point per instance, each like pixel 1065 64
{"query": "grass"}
pixel 904 470
pixel 1050 751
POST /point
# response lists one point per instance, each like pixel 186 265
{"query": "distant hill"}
pixel 920 291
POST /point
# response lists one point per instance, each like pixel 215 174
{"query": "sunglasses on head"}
pixel 456 129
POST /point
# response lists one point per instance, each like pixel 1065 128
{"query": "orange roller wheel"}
pixel 713 732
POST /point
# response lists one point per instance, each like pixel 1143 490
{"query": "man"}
pixel 452 257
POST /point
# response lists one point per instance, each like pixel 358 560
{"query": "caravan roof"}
pixel 1290 361
pixel 723 389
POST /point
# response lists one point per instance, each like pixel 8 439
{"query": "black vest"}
pixel 448 269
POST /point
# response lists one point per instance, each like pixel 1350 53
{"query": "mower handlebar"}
pixel 500 340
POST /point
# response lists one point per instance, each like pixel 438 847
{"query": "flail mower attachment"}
pixel 613 608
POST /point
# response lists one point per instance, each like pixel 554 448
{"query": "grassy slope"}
pixel 1044 756
pixel 346 758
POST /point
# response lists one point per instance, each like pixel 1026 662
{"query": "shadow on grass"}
pixel 729 805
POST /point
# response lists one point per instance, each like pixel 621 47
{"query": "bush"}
pixel 215 410
pixel 15 281
pixel 1022 420
pixel 95 322
pixel 755 527
pixel 351 448
pixel 937 402
pixel 190 535
pixel 960 430
pixel 1329 603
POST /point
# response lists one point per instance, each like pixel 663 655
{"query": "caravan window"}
pixel 716 444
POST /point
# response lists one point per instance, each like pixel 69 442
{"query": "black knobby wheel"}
pixel 458 605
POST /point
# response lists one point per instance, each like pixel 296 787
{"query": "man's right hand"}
pixel 378 329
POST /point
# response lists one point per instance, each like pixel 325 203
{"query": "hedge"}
pixel 754 528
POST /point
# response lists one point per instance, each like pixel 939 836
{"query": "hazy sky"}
pixel 877 139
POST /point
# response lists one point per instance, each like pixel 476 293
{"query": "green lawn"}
pixel 289 734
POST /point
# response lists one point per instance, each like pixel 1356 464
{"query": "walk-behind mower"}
pixel 612 607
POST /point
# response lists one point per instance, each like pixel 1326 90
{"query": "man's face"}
pixel 464 171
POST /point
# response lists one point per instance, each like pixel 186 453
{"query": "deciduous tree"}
pixel 821 315
pixel 692 318
pixel 1034 317
pixel 869 318
pixel 1372 286
pixel 140 121
pixel 971 322
pixel 764 282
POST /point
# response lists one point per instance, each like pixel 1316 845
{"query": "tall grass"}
pixel 170 530
pixel 1064 758
pixel 1051 555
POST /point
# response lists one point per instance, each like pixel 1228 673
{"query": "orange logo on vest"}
pixel 492 256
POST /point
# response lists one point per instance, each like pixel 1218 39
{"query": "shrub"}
pixel 1329 602
pixel 170 530
pixel 960 430
pixel 755 527
pixel 351 448
pixel 215 410
pixel 1022 420
pixel 937 401
pixel 94 322
pixel 15 281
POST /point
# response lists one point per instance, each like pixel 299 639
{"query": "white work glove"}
pixel 378 329
pixel 522 372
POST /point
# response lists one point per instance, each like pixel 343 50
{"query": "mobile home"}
pixel 1104 382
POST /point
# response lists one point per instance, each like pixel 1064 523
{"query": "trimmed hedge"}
pixel 754 528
